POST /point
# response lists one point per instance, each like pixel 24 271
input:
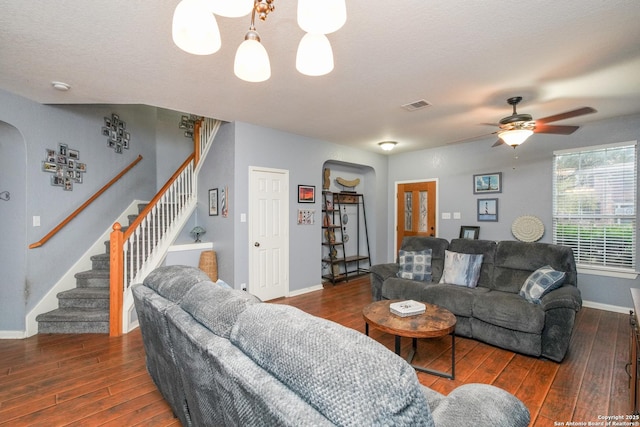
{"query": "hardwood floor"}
pixel 90 380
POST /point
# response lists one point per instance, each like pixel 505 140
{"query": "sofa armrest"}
pixel 567 296
pixel 480 405
pixel 380 273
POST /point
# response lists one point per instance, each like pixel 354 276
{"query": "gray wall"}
pixel 527 188
pixel 41 127
pixel 13 262
pixel 304 158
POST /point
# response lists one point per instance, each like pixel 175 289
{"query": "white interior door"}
pixel 268 233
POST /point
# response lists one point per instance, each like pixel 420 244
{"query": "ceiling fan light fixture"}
pixel 194 28
pixel 252 60
pixel 321 17
pixel 515 137
pixel 231 8
pixel 315 56
pixel 387 145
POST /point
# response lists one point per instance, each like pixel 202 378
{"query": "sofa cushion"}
pixel 461 269
pixel 541 282
pixel 515 261
pixel 456 299
pixel 509 311
pixel 217 308
pixel 415 265
pixel 332 367
pixel 174 281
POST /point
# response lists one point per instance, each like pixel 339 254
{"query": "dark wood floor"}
pixel 56 380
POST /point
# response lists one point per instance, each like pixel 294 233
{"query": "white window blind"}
pixel 594 204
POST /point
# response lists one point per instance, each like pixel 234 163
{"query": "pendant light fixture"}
pixel 323 17
pixel 195 31
pixel 231 8
pixel 315 56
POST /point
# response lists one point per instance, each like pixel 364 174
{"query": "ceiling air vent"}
pixel 416 105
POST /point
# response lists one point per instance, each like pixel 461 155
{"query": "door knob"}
pixel 256 244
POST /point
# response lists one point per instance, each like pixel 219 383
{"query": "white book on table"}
pixel 407 308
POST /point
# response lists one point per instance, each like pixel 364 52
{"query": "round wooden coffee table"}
pixel 435 322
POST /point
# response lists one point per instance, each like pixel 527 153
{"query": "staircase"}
pixel 84 309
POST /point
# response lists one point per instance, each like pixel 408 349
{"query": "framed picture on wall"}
pixel 487 183
pixel 488 210
pixel 306 193
pixel 213 202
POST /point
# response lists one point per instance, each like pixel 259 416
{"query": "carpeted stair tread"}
pixel 74 315
pixel 74 321
pixel 88 293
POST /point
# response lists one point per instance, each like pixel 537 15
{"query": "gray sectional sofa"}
pixel 220 357
pixel 494 311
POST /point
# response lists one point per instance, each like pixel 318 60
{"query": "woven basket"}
pixel 209 264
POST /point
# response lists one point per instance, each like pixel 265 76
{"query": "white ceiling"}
pixel 464 57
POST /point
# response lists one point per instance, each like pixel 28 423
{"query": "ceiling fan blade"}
pixel 556 129
pixel 567 115
pixel 473 138
pixel 498 143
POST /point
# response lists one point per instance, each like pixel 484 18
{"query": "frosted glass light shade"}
pixel 195 29
pixel 322 17
pixel 515 137
pixel 315 56
pixel 252 62
pixel 230 8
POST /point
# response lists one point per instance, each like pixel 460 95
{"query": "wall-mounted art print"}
pixel 487 183
pixel 306 216
pixel 213 202
pixel 224 201
pixel 188 123
pixel 118 137
pixel 65 164
pixel 306 193
pixel 488 210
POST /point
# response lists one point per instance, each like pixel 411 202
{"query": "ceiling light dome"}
pixel 515 137
pixel 195 29
pixel 387 145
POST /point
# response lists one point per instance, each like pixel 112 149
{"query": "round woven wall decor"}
pixel 527 228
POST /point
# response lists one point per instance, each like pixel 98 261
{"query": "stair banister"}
pixel 91 199
pixel 142 246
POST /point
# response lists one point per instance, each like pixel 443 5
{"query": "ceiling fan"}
pixel 516 128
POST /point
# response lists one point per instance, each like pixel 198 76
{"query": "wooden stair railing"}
pixel 134 252
pixel 77 212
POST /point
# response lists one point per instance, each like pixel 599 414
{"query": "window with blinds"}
pixel 594 204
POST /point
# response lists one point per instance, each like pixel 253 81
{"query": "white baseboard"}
pixel 68 281
pixel 305 290
pixel 606 307
pixel 12 335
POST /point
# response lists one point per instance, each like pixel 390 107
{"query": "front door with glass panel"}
pixel 416 210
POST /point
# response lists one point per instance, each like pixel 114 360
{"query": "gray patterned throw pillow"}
pixel 415 265
pixel 541 282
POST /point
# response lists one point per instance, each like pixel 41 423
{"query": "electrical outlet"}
pixel 243 286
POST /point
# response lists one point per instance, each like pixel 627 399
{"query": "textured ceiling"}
pixel 463 57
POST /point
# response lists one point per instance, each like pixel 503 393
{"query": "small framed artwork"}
pixel 306 193
pixel 469 232
pixel 488 210
pixel 73 154
pixel 213 202
pixel 487 183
